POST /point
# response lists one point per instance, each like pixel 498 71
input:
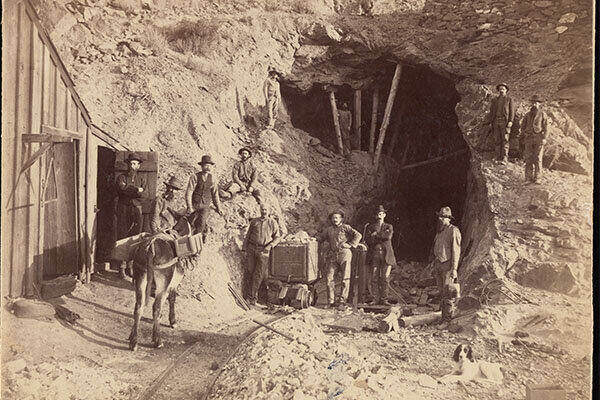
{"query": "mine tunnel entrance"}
pixel 423 138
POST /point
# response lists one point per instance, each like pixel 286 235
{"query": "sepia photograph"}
pixel 297 200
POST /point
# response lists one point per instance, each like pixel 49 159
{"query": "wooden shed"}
pixel 55 162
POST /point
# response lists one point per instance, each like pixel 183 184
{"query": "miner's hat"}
pixel 244 149
pixel 502 84
pixel 175 183
pixel 206 159
pixel 134 157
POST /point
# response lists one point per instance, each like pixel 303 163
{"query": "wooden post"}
pixel 433 160
pixel 336 122
pixel 396 125
pixel 374 119
pixel 417 320
pixel 387 114
pixel 357 119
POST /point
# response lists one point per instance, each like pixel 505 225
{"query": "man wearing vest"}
pixel 534 131
pixel 200 192
pixel 341 238
pixel 446 252
pixel 163 215
pixel 380 254
pixel 502 114
pixel 263 234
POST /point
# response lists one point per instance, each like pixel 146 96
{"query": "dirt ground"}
pixel 90 359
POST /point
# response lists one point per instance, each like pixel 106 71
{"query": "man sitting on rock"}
pixel 341 238
pixel 501 116
pixel 534 131
pixel 263 234
pixel 243 176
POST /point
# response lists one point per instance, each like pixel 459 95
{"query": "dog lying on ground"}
pixel 468 369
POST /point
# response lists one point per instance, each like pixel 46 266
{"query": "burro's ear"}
pixel 470 354
pixel 457 352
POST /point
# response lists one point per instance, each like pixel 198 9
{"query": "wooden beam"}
pixel 422 319
pixel 33 138
pixel 35 157
pixel 396 125
pixel 357 119
pixel 336 122
pixel 433 160
pixel 373 120
pixel 99 133
pixel 50 130
pixel 387 114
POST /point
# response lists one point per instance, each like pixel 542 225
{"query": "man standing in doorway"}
pixel 502 114
pixel 263 234
pixel 131 189
pixel 200 192
pixel 341 238
pixel 345 118
pixel 163 215
pixel 244 176
pixel 446 252
pixel 380 254
pixel 534 130
pixel 272 94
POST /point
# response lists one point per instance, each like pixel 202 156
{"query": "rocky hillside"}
pixel 185 79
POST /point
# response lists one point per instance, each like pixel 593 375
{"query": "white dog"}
pixel 467 369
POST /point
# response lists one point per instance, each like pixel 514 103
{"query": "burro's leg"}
pixel 140 280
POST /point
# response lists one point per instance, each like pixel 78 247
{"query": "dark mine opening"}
pixel 423 138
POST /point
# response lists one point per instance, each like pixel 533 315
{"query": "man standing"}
pixel 446 252
pixel 163 215
pixel 380 254
pixel 201 190
pixel 534 129
pixel 345 118
pixel 502 114
pixel 341 238
pixel 263 234
pixel 271 92
pixel 131 189
pixel 244 176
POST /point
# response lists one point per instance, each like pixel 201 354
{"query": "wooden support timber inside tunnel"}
pixel 387 114
pixel 336 121
pixel 357 119
pixel 373 119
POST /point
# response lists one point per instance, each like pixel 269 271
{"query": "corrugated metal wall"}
pixel 36 91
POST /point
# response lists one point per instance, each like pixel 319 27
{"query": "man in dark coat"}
pixel 200 192
pixel 164 216
pixel 534 131
pixel 131 190
pixel 502 114
pixel 380 254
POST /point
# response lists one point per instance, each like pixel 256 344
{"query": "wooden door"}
pixel 105 196
pixel 149 170
pixel 60 211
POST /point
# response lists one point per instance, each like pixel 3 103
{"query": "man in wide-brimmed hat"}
pixel 272 95
pixel 534 132
pixel 201 191
pixel 243 176
pixel 341 238
pixel 501 116
pixel 131 190
pixel 263 234
pixel 164 216
pixel 446 253
pixel 380 254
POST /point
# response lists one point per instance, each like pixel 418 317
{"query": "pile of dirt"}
pixel 409 362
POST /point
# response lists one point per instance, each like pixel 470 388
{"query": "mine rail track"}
pixel 157 384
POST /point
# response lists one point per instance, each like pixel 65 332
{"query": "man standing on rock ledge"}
pixel 534 131
pixel 271 91
pixel 200 191
pixel 341 238
pixel 502 114
pixel 446 252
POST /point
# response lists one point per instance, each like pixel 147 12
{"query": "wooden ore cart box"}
pixel 295 262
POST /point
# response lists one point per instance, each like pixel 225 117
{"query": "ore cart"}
pixel 293 272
